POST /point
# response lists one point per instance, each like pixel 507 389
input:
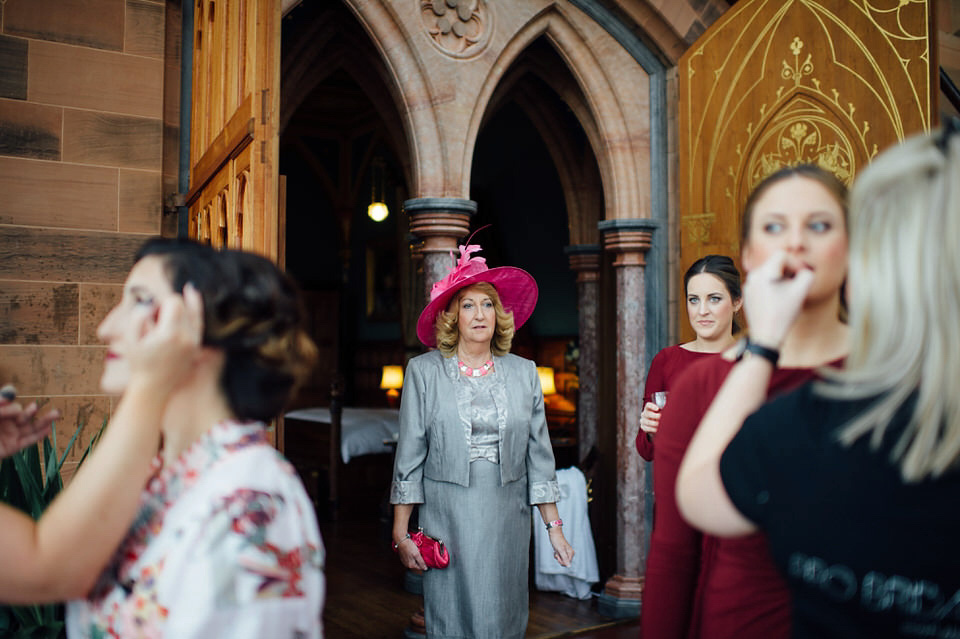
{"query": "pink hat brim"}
pixel 517 289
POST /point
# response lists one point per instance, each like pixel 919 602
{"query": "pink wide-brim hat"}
pixel 517 289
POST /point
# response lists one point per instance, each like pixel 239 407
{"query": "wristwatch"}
pixel 745 346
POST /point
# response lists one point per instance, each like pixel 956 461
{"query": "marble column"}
pixel 585 261
pixel 441 222
pixel 629 241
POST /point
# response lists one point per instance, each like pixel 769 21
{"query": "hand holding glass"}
pixel 660 398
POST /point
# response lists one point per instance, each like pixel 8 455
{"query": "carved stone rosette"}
pixel 459 28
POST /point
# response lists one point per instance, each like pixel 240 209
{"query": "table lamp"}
pixel 547 384
pixel 392 381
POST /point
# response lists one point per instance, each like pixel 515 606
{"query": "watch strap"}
pixel 772 355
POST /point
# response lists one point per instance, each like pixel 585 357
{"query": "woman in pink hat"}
pixel 474 452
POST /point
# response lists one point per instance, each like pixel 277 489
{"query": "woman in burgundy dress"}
pixel 698 586
pixel 712 288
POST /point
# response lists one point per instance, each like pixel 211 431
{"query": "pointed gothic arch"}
pixel 616 135
pixel 323 49
pixel 542 90
pixel 410 88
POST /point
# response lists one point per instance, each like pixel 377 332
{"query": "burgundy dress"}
pixel 699 586
pixel 664 371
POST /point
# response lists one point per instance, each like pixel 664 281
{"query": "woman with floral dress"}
pixel 225 543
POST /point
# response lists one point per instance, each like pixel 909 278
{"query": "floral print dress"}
pixel 225 544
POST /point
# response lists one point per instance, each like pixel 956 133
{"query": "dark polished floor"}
pixel 366 598
pixel 629 630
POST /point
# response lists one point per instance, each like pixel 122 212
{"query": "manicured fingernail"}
pixel 8 392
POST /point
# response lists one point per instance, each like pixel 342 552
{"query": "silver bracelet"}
pixel 397 545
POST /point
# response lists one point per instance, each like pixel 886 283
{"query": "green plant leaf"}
pixel 29 616
pixel 52 484
pixel 27 463
pixel 73 439
pixel 93 442
pixel 29 485
pixel 6 621
pixel 12 488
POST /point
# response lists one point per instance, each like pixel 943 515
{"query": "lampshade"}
pixel 546 380
pixel 378 211
pixel 392 377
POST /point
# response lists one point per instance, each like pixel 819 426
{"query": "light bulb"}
pixel 378 211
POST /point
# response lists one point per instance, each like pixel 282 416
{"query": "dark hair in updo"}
pixel 723 268
pixel 251 311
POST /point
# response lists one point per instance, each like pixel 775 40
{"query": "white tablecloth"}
pixel 363 431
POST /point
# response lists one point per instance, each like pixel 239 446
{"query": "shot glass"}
pixel 660 398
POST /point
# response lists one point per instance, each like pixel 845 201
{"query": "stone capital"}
pixel 629 240
pixel 439 221
pixel 584 261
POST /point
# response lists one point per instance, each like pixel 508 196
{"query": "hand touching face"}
pixel 153 332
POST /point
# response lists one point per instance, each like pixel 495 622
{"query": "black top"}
pixel 865 554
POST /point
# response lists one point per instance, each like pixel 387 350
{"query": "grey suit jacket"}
pixel 435 428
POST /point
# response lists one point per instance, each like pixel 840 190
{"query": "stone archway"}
pixel 445 71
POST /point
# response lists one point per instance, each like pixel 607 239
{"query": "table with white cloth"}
pixel 325 450
pixel 363 431
pixel 576 579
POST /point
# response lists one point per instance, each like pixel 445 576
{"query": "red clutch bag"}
pixel 432 550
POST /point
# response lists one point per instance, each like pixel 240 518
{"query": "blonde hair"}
pixel 905 304
pixel 448 333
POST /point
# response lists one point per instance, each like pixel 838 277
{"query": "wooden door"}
pixel 234 139
pixel 234 125
pixel 781 82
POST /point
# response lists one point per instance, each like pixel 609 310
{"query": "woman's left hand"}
pixel 562 550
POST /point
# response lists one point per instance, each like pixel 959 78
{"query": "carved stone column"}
pixel 585 261
pixel 440 222
pixel 629 240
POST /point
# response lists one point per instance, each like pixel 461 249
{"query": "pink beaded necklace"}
pixel 479 371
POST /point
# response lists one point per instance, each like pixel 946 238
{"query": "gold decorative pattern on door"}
pixel 782 82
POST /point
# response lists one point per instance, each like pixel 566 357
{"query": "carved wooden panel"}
pixel 234 140
pixel 780 82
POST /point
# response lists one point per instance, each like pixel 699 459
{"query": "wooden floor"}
pixel 366 598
